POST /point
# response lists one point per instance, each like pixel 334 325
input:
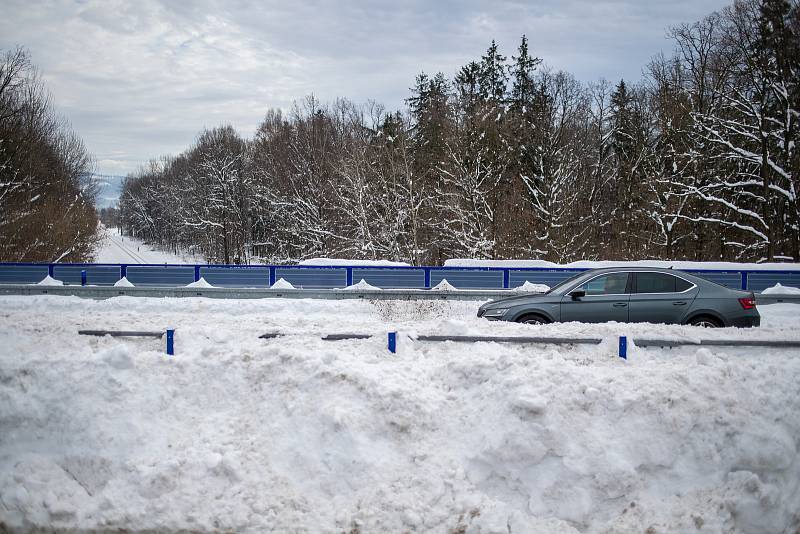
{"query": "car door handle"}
pixel 620 304
pixel 679 303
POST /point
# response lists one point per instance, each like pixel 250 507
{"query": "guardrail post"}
pixel 271 275
pixel 623 347
pixel 170 342
pixel 393 342
pixel 506 278
pixel 50 271
pixel 427 278
pixel 123 271
pixel 83 277
pixel 349 276
pixel 196 273
pixel 744 279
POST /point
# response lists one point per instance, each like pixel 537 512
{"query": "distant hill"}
pixel 110 187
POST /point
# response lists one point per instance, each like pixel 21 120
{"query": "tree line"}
pixel 47 210
pixel 511 159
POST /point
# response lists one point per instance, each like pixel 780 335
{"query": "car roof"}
pixel 633 268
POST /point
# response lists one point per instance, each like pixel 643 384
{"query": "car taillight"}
pixel 748 303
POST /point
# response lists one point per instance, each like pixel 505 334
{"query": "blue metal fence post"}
pixel 50 270
pixel 271 275
pixel 393 342
pixel 123 271
pixel 506 278
pixel 196 273
pixel 744 279
pixel 623 347
pixel 349 277
pixel 170 342
pixel 427 278
pixel 83 277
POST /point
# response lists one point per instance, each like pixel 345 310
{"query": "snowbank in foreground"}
pixel 294 434
pixel 587 264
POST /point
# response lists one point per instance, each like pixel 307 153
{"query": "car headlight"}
pixel 495 312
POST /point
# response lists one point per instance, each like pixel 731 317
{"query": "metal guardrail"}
pixel 100 292
pixel 255 293
pixel 329 277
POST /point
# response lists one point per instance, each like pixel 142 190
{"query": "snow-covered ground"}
pixel 117 248
pixel 296 434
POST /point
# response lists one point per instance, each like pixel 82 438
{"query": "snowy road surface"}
pixel 116 248
pixel 296 434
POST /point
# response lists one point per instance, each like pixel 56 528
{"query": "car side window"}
pixel 607 284
pixel 681 285
pixel 659 283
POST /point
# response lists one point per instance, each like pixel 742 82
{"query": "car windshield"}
pixel 565 283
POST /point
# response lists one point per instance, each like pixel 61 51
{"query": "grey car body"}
pixel 651 295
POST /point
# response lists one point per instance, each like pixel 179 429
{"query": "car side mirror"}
pixel 577 293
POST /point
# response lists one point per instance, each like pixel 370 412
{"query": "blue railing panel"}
pixel 22 274
pixel 761 280
pixel 324 277
pixel 549 277
pixel 313 278
pixel 157 276
pixel 391 278
pixel 236 276
pixel 469 279
pixel 731 279
pixel 96 275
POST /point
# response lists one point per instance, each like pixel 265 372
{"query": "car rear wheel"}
pixel 705 321
pixel 533 319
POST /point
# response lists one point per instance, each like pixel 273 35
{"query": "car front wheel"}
pixel 532 319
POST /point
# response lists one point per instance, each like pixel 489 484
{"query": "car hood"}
pixel 521 299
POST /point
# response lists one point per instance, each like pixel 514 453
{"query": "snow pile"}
pixel 296 434
pixel 778 289
pixel 587 264
pixel 362 286
pixel 281 284
pixel 338 262
pixel 123 282
pixel 444 285
pixel 200 283
pixel 50 281
pixel 529 287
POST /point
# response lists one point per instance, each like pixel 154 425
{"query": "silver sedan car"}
pixel 636 295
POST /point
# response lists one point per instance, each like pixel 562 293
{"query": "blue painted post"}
pixel 83 277
pixel 123 271
pixel 50 270
pixel 349 277
pixel 271 275
pixel 427 278
pixel 744 279
pixel 506 278
pixel 170 342
pixel 196 273
pixel 623 347
pixel 393 342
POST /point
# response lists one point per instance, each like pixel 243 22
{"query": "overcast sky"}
pixel 140 79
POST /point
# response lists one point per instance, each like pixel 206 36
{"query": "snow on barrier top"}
pixel 460 274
